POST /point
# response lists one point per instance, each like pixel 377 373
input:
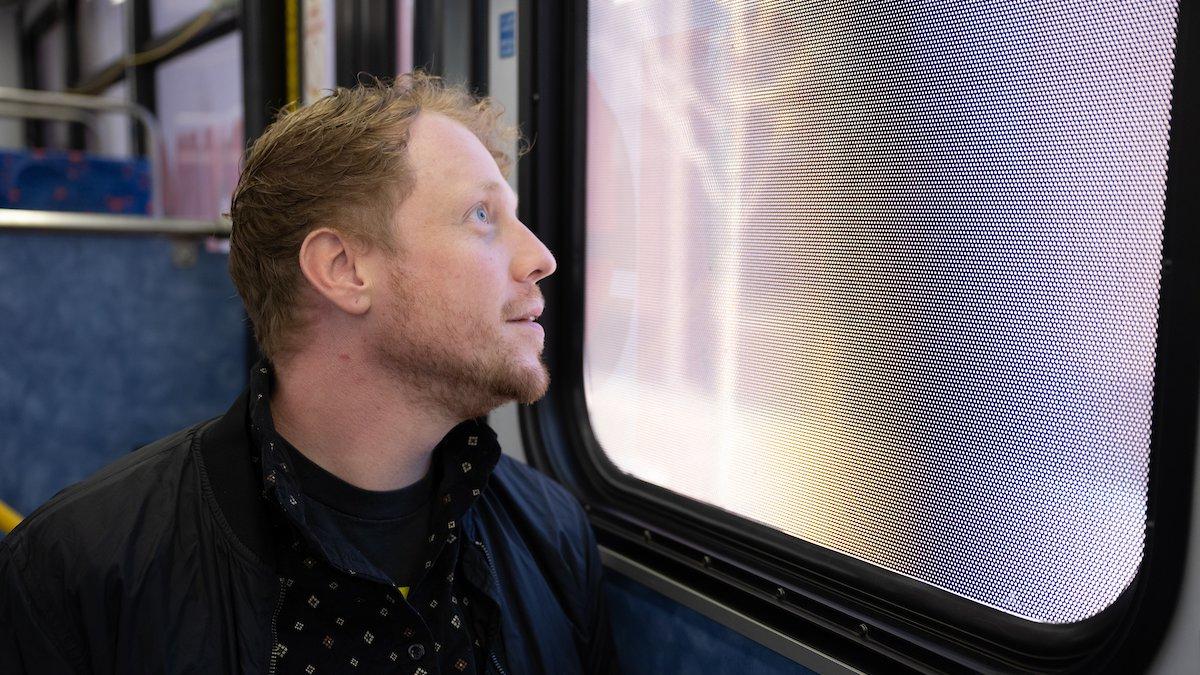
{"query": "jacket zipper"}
pixel 274 620
pixel 496 576
pixel 496 663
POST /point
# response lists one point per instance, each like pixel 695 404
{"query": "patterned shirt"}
pixel 337 612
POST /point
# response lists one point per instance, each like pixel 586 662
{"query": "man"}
pixel 350 512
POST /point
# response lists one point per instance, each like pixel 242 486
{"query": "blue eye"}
pixel 481 214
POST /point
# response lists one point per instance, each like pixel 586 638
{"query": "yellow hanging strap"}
pixel 8 518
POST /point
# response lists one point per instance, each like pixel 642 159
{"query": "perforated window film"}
pixel 884 276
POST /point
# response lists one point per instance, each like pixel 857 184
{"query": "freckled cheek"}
pixel 468 275
pixel 470 285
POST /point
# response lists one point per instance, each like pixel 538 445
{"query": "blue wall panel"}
pixel 106 345
pixel 656 635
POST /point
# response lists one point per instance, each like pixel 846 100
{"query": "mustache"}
pixel 534 299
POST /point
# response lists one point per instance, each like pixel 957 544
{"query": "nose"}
pixel 533 261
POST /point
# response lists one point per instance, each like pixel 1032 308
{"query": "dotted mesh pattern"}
pixel 884 276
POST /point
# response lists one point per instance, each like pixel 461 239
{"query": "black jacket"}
pixel 171 561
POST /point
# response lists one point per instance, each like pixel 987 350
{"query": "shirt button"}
pixel 416 651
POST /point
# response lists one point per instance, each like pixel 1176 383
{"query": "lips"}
pixel 528 320
pixel 528 323
pixel 529 315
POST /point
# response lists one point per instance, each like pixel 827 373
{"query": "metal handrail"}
pixel 23 110
pixel 112 223
pixel 52 101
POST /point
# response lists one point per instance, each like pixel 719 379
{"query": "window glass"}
pixel 51 59
pixel 456 41
pixel 168 15
pixel 12 129
pixel 884 276
pixel 199 96
pixel 101 31
pixel 114 137
pixel 52 76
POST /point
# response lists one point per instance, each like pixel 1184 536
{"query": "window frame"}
pixel 853 610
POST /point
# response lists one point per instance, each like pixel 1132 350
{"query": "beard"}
pixel 466 365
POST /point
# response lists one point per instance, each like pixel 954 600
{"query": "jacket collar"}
pixel 234 479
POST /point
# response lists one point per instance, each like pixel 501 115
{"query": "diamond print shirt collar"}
pixel 462 463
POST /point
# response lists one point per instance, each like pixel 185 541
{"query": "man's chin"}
pixel 477 398
pixel 531 397
pixel 529 387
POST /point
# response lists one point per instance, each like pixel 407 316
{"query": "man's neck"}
pixel 351 420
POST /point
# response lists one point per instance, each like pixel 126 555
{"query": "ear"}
pixel 336 267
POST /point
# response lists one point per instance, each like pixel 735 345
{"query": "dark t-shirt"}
pixel 387 527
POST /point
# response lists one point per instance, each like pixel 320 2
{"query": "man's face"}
pixel 455 318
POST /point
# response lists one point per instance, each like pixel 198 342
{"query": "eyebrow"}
pixel 493 186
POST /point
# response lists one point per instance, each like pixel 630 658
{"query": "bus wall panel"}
pixel 654 634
